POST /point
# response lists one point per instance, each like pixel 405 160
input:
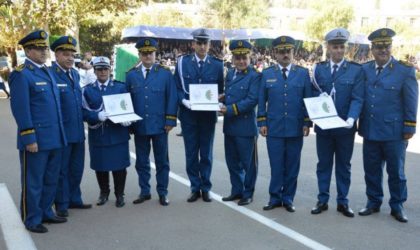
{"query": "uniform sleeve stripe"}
pixel 261 118
pixel 410 123
pixel 27 131
pixel 235 109
pixel 171 117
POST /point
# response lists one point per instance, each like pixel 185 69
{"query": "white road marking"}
pixel 15 235
pixel 251 214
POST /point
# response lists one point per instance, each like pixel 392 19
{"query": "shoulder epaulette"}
pixel 270 67
pixel 322 62
pixel 406 63
pixel 164 67
pixel 20 67
pixel 118 82
pixel 369 62
pixel 299 66
pixel 355 63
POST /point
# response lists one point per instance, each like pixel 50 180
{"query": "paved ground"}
pixel 216 226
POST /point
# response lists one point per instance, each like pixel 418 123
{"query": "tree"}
pixel 231 14
pixel 328 14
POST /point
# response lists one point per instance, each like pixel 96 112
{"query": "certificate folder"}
pixel 322 112
pixel 204 97
pixel 120 108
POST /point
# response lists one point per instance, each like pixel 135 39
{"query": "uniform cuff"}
pixel 409 127
pixel 27 136
pixel 171 120
pixel 261 121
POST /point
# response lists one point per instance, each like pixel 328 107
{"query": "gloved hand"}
pixel 125 124
pixel 186 103
pixel 323 94
pixel 350 122
pixel 102 116
pixel 221 105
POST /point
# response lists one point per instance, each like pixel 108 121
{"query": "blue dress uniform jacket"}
pixel 198 126
pixel 389 111
pixel 280 103
pixel 108 143
pixel 241 97
pixel 73 159
pixel 155 100
pixel 240 129
pixel 391 102
pixel 36 108
pixel 337 144
pixel 349 86
pixel 281 109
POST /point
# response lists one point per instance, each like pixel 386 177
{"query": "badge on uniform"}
pixel 62 85
pixel 271 80
pixel 40 83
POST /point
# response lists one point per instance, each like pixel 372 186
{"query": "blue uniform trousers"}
pixel 68 190
pixel 375 155
pixel 39 175
pixel 284 156
pixel 242 161
pixel 198 140
pixel 329 147
pixel 160 151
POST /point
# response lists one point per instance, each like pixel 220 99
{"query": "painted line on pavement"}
pixel 251 214
pixel 15 235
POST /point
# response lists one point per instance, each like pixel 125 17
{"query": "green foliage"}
pixel 328 14
pixel 233 14
pixel 97 37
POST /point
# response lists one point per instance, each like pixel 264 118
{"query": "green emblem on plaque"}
pixel 209 95
pixel 325 107
pixel 123 105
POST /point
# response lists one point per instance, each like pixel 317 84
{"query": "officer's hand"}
pixel 324 94
pixel 407 136
pixel 223 108
pixel 221 97
pixel 168 128
pixel 186 103
pixel 306 130
pixel 350 123
pixel 102 116
pixel 33 148
pixel 125 124
pixel 263 131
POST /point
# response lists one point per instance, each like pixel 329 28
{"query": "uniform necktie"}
pixel 284 73
pixel 103 87
pixel 378 70
pixel 147 73
pixel 43 68
pixel 335 67
pixel 68 74
pixel 201 63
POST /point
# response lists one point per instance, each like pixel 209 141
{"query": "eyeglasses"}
pixel 381 47
pixel 284 51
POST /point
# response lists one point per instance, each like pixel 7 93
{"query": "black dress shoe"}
pixel 80 206
pixel 37 229
pixel 163 200
pixel 120 201
pixel 399 216
pixel 232 197
pixel 244 201
pixel 345 210
pixel 54 220
pixel 194 196
pixel 368 211
pixel 142 198
pixel 206 197
pixel 319 208
pixel 103 198
pixel 62 213
pixel 270 206
pixel 289 208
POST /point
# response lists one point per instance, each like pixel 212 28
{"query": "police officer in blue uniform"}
pixel 154 94
pixel 240 125
pixel 387 123
pixel 344 81
pixel 108 141
pixel 69 194
pixel 198 126
pixel 283 119
pixel 35 104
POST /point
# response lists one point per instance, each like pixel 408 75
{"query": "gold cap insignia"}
pixel 283 39
pixel 147 42
pixel 240 44
pixel 70 39
pixel 43 34
pixel 384 33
